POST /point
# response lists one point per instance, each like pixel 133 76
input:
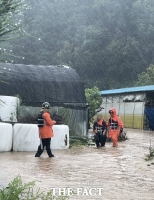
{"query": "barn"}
pixel 60 85
pixel 134 105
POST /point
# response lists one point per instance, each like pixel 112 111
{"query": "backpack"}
pixel 40 120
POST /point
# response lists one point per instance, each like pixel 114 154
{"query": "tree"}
pixel 10 17
pixel 146 78
pixel 104 40
pixel 94 100
pixel 10 22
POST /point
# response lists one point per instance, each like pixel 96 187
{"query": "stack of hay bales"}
pixel 25 137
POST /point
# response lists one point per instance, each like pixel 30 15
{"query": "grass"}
pixel 78 141
pixel 17 190
pixel 150 156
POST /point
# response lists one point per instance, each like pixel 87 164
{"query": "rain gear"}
pixel 115 123
pixel 46 131
pixel 45 134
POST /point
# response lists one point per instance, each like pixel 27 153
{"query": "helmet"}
pixel 46 105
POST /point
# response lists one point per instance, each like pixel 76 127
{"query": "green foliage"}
pixel 94 100
pixel 17 190
pixel 108 42
pixel 150 156
pixel 146 78
pixel 78 141
pixel 10 23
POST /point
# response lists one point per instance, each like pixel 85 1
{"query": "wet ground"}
pixel 121 172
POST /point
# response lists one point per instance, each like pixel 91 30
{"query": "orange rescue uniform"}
pixel 115 123
pixel 46 131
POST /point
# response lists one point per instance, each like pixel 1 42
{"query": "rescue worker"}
pixel 115 124
pixel 45 131
pixel 99 130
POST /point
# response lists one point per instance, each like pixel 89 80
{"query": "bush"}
pixel 94 100
pixel 17 190
pixel 78 141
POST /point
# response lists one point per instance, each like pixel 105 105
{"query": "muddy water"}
pixel 122 173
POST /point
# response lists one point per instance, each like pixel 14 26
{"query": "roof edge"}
pixel 128 90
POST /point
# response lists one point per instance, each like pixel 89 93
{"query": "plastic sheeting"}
pixel 8 108
pixel 6 134
pixel 123 98
pixel 77 120
pixel 129 98
pixel 61 137
pixel 132 113
pixel 26 138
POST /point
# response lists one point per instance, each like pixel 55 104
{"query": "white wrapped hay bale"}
pixel 25 137
pixel 8 108
pixel 61 137
pixel 6 134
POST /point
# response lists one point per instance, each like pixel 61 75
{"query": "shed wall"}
pixel 131 112
pixel 76 119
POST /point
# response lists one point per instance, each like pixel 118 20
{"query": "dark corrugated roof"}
pixel 128 90
pixel 59 85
